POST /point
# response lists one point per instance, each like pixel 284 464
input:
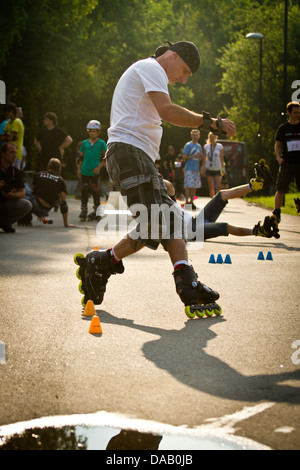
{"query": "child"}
pixel 91 152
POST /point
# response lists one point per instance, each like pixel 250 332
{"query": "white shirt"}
pixel 134 119
pixel 213 161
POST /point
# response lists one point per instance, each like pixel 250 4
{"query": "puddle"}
pixel 106 431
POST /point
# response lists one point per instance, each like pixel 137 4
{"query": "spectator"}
pixel 4 122
pixel 91 161
pixel 13 204
pixel 167 166
pixel 192 154
pixel 179 176
pixel 20 115
pixel 51 141
pixel 48 187
pixel 14 132
pixel 213 163
pixel 287 151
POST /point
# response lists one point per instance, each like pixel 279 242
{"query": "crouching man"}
pixel 48 190
pixel 13 205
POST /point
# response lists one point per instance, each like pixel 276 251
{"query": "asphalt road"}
pixel 238 373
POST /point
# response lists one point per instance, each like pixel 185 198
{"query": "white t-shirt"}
pixel 134 119
pixel 213 161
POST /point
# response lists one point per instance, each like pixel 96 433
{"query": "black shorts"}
pixel 135 175
pixel 212 173
pixel 287 172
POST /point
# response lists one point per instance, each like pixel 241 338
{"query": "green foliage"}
pixel 268 202
pixel 67 55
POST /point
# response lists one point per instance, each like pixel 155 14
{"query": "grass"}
pixel 268 202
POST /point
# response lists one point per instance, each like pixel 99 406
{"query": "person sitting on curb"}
pixel 13 204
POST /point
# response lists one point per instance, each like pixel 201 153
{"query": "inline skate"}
pixel 269 228
pixel 263 176
pixel 83 214
pixel 94 271
pixel 198 299
pixel 93 215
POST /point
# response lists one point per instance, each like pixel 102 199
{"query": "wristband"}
pixel 207 124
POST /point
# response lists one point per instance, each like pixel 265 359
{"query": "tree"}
pixel 240 79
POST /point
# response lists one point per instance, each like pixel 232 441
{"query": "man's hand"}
pixel 72 226
pixel 280 160
pixel 228 128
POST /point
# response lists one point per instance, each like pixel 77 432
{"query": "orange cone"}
pixel 89 310
pixel 95 326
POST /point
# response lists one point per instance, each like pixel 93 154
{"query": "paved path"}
pixel 238 372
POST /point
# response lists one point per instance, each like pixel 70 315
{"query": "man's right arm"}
pixel 278 151
pixel 37 145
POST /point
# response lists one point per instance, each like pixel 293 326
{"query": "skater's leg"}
pixel 126 247
pixel 278 201
pixel 239 231
pixel 84 190
pixel 232 193
pixel 177 251
pixel 84 196
pixel 94 190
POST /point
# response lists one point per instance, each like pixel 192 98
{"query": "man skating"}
pixel 140 102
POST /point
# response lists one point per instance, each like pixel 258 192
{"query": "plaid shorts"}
pixel 192 179
pixel 135 175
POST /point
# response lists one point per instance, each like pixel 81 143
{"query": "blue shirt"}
pixel 190 149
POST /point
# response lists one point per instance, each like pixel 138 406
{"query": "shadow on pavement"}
pixel 182 354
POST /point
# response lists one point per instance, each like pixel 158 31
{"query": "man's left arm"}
pixel 182 117
pixel 66 143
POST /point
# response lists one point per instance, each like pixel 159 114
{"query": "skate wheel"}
pixel 209 311
pixel 78 256
pixel 200 312
pixel 83 302
pixel 80 288
pixel 217 310
pixel 78 273
pixel 189 313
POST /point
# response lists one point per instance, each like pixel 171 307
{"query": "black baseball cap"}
pixel 187 50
